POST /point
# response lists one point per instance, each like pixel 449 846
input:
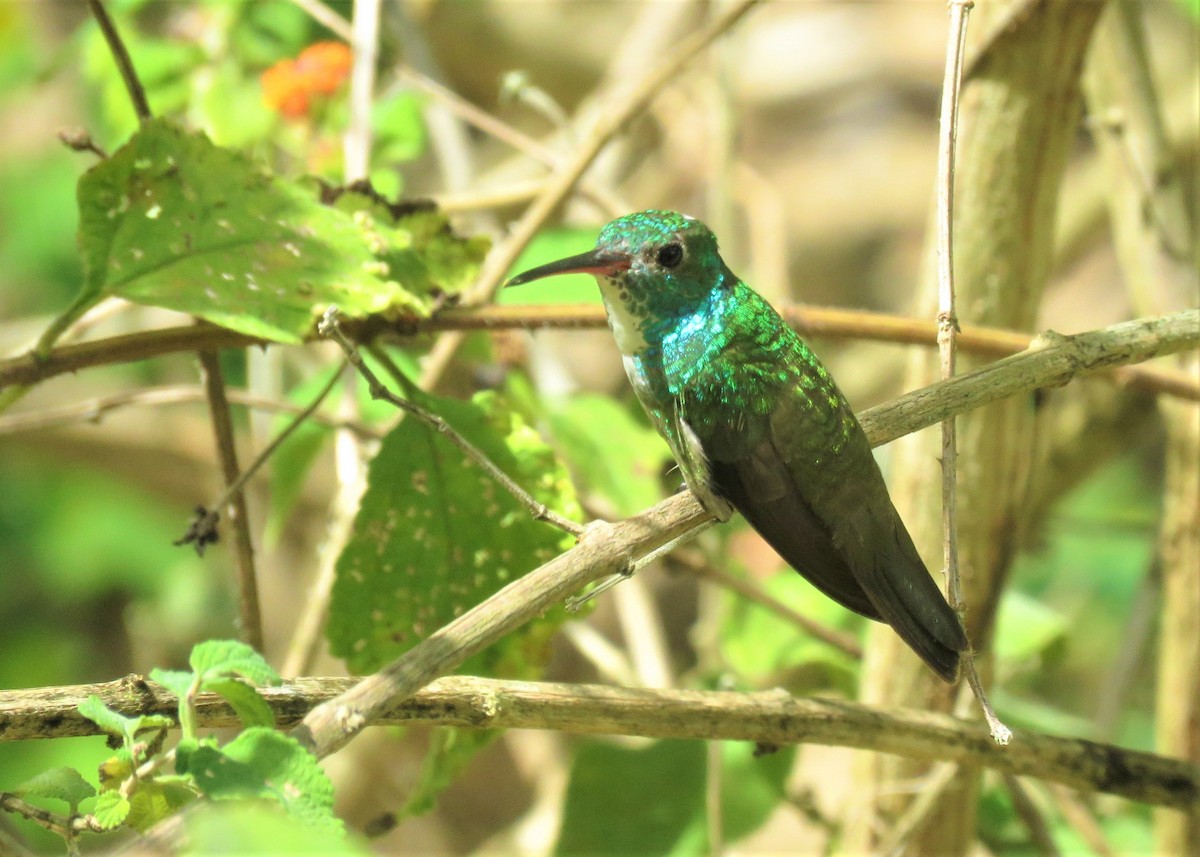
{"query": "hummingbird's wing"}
pixel 811 487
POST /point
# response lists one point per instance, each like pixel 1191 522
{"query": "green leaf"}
pixel 155 800
pixel 263 763
pixel 1027 630
pixel 239 830
pixel 663 786
pixel 612 453
pixel 765 650
pixel 659 785
pixel 179 682
pixel 115 723
pixel 111 809
pixel 219 659
pixel 249 706
pixel 112 722
pixel 435 535
pixel 172 220
pixel 63 784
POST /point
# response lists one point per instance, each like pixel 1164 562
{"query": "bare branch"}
pixel 811 321
pixel 770 717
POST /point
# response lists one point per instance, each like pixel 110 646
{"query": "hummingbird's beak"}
pixel 600 262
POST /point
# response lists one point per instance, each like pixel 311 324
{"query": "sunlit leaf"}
pixel 172 220
pixel 111 809
pixel 435 535
pixel 263 763
pixel 63 784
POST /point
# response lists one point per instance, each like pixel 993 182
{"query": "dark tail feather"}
pixel 894 577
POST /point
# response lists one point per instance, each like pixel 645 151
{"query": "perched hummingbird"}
pixel 757 423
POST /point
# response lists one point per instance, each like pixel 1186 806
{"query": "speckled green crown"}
pixel 651 227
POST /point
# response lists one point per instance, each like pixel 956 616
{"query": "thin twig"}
pixel 812 321
pixel 351 482
pixel 137 94
pixel 947 318
pixel 747 589
pixel 249 614
pixel 506 133
pixel 202 530
pixel 927 802
pixel 614 118
pixel 947 333
pixel 1081 817
pixel 327 18
pixel 624 105
pixel 330 327
pixel 1033 817
pixel 94 410
pixel 356 144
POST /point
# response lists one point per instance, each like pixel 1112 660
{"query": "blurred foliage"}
pixel 662 786
pixel 92 588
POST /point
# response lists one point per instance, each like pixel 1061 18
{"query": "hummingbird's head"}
pixel 652 266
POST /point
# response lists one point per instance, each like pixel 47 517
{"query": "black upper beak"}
pixel 592 262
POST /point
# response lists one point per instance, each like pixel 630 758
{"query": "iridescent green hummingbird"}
pixel 757 423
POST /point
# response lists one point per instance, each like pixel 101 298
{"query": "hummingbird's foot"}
pixel 632 565
pixel 600 530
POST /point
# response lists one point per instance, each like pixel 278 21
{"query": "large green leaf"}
pixel 435 535
pixel 173 220
pixel 613 454
pixel 662 786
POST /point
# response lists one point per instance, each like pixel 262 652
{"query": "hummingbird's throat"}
pixel 623 318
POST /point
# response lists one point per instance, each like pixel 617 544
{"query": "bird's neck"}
pixel 640 327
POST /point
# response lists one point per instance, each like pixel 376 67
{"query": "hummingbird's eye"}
pixel 670 255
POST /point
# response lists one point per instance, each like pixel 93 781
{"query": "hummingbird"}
pixel 757 424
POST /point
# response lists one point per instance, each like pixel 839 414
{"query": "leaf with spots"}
pixel 263 763
pixel 173 220
pixel 435 536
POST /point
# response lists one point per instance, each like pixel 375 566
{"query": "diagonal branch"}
pixel 605 549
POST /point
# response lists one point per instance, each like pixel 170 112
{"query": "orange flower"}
pixel 290 86
pixel 326 65
pixel 284 90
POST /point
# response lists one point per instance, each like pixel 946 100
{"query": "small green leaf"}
pixel 112 722
pixel 111 809
pixel 156 799
pixel 263 763
pixel 435 535
pixel 63 784
pixel 219 659
pixel 179 682
pixel 115 723
pixel 249 706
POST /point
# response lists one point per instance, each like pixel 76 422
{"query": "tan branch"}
pixel 608 548
pixel 811 321
pixel 770 717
